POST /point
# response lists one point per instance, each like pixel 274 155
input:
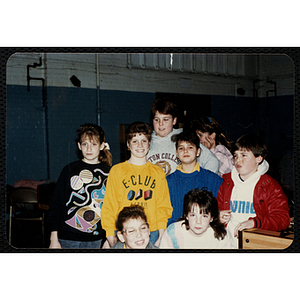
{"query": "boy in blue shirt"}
pixel 189 174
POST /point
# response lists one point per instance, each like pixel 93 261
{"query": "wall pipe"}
pixel 98 90
pixel 275 88
pixel 45 112
pixel 29 78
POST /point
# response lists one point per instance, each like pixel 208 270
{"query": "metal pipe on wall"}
pixel 44 109
pixel 98 90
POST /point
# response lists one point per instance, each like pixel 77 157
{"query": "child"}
pixel 75 207
pixel 162 151
pixel 189 174
pixel 133 229
pixel 248 198
pixel 137 181
pixel 212 136
pixel 199 227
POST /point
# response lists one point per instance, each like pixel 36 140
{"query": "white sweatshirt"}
pixel 163 153
pixel 241 202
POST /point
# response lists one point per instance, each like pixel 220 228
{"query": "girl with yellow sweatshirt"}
pixel 137 182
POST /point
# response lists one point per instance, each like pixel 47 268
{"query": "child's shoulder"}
pixel 120 166
pixel 105 168
pixel 266 180
pixel 151 246
pixel 210 174
pixel 80 165
pixel 72 165
pixel 221 149
pixel 155 168
pixel 178 225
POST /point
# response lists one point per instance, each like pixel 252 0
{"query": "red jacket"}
pixel 269 202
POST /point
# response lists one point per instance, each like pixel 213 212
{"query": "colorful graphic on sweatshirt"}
pixel 140 188
pixel 161 160
pixel 86 201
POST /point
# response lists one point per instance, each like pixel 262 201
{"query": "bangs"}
pixel 203 208
pixel 91 136
pixel 243 149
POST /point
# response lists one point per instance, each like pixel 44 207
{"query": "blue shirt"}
pixel 180 183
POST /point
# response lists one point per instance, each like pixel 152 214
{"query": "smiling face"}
pixel 139 146
pixel 90 149
pixel 163 124
pixel 198 220
pixel 246 163
pixel 187 152
pixel 135 234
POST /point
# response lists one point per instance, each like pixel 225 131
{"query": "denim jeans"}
pixel 67 244
pixel 154 236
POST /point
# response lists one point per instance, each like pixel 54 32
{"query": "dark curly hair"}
pixel 130 212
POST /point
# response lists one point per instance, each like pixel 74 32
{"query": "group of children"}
pixel 180 189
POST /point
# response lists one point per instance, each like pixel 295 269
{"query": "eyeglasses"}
pixel 131 232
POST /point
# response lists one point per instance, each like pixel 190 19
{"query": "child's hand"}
pixel 111 241
pixel 243 225
pixel 55 245
pixel 208 143
pixel 225 216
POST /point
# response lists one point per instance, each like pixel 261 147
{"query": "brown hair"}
pixel 164 106
pixel 93 131
pixel 211 125
pixel 251 143
pixel 187 136
pixel 138 128
pixel 130 212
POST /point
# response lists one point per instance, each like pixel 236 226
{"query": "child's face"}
pixel 135 234
pixel 246 163
pixel 187 152
pixel 163 124
pixel 139 146
pixel 206 139
pixel 90 149
pixel 198 222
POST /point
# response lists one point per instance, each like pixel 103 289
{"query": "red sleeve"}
pixel 272 210
pixel 224 193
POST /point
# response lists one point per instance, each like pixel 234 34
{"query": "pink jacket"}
pixel 269 202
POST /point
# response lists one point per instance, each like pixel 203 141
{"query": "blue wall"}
pixel 68 108
pixel 271 118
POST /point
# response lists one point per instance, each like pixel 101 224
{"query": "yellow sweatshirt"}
pixel 144 185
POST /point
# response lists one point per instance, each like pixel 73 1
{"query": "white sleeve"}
pixel 208 160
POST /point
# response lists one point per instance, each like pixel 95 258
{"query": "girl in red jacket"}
pixel 248 198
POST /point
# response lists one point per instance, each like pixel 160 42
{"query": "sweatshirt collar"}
pixel 196 168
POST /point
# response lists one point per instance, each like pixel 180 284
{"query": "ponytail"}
pixel 105 156
pixel 95 131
